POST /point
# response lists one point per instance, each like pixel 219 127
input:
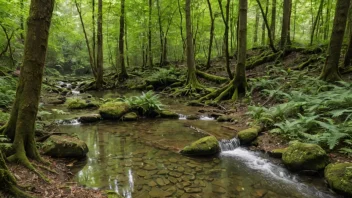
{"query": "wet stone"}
pixel 173 160
pixel 150 167
pixel 142 173
pixel 180 169
pixel 175 174
pixel 219 189
pixel 193 190
pixel 191 165
pixel 163 172
pixel 172 180
pixel 156 192
pixel 172 190
pixel 152 183
pixel 160 182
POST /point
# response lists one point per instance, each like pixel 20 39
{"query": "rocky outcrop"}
pixel 248 135
pixel 64 146
pixel 113 110
pixel 203 147
pixel 302 156
pixel 339 177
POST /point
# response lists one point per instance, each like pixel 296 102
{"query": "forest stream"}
pixel 138 159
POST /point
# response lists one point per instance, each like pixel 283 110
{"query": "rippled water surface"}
pixel 140 159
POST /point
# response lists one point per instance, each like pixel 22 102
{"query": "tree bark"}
pixel 150 55
pixel 94 36
pixel 256 26
pixel 330 70
pixel 320 10
pixel 271 42
pixel 285 38
pixel 192 80
pixel 348 55
pixel 273 20
pixel 211 39
pixel 121 54
pixel 21 125
pixel 100 59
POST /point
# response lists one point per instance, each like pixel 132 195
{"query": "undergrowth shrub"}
pixel 7 91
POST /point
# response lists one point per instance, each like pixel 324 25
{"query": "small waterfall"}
pixel 229 145
pixel 68 122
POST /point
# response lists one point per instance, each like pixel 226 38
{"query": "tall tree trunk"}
pixel 348 55
pixel 21 125
pixel 91 59
pixel 316 21
pixel 100 59
pixel 271 42
pixel 181 30
pixel 330 70
pixel 263 24
pixel 273 20
pixel 121 56
pixel 256 26
pixel 327 20
pixel 161 35
pixel 285 35
pixel 150 55
pixel 225 18
pixel 22 21
pixel 294 22
pixel 211 39
pixel 94 36
pixel 192 80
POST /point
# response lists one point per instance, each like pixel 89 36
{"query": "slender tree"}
pixel 348 55
pixel 20 127
pixel 271 41
pixel 330 70
pixel 150 55
pixel 121 54
pixel 273 20
pixel 211 36
pixel 320 10
pixel 99 80
pixel 256 26
pixel 285 33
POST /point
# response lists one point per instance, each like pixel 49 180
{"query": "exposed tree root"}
pixel 22 159
pixel 46 168
pixel 8 182
pixel 345 71
pixel 191 90
pixel 230 91
pixel 263 58
pixel 214 78
pixel 306 63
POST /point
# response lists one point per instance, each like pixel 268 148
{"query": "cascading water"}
pixel 256 161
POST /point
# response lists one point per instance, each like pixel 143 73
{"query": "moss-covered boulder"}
pixel 193 117
pixel 90 118
pixel 203 147
pixel 277 153
pixel 168 114
pixel 248 135
pixel 78 103
pixel 226 118
pixel 303 156
pixel 113 110
pixel 64 146
pixel 339 177
pixel 132 116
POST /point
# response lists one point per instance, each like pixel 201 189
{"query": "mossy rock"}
pixel 193 117
pixel 303 156
pixel 78 103
pixel 113 110
pixel 64 146
pixel 248 135
pixel 132 116
pixel 203 147
pixel 339 177
pixel 112 194
pixel 168 114
pixel 56 100
pixel 7 149
pixel 277 153
pixel 90 118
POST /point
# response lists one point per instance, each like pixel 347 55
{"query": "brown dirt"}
pixel 61 184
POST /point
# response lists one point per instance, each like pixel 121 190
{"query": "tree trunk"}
pixel 348 55
pixel 316 21
pixel 211 39
pixel 330 70
pixel 91 58
pixel 225 18
pixel 192 80
pixel 271 41
pixel 256 26
pixel 100 59
pixel 121 56
pixel 150 56
pixel 181 30
pixel 273 20
pixel 94 37
pixel 264 23
pixel 161 35
pixel 21 125
pixel 327 20
pixel 285 39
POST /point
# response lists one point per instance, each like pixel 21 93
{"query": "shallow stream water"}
pixel 139 159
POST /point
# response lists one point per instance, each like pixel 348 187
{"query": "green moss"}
pixel 339 177
pixel 248 135
pixel 64 146
pixel 78 103
pixel 277 153
pixel 205 146
pixel 168 114
pixel 132 116
pixel 112 194
pixel 302 156
pixel 7 149
pixel 113 110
